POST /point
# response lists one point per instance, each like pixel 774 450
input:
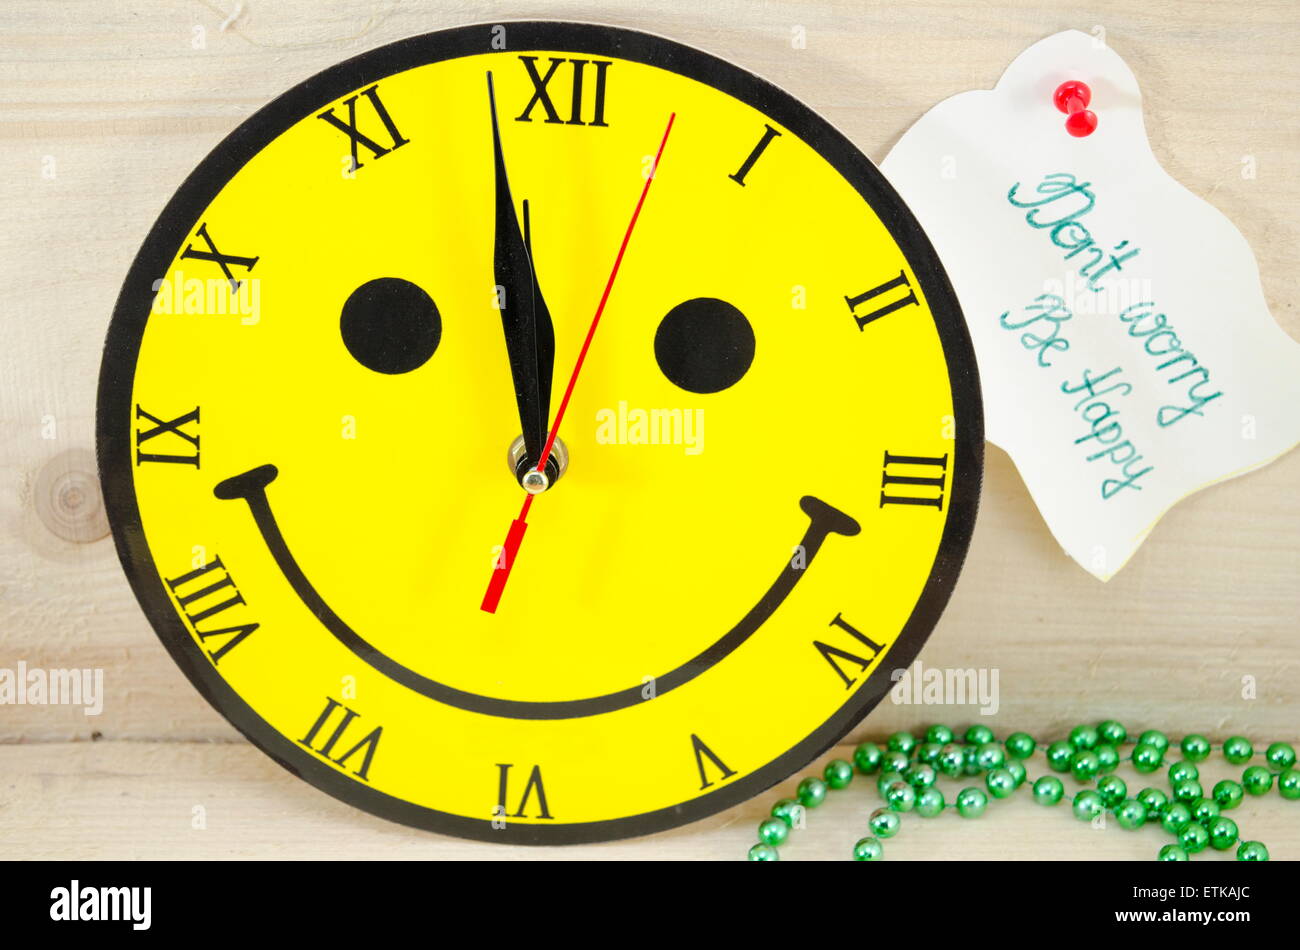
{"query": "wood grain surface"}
pixel 104 109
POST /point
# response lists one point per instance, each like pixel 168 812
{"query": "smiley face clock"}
pixel 539 432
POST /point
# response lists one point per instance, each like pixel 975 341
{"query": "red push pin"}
pixel 1072 98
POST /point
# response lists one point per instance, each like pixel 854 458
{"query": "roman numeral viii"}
pixel 881 300
pixel 576 78
pixel 369 742
pixel 899 487
pixel 356 137
pixel 172 427
pixel 208 591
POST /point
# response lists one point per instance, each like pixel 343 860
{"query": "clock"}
pixel 539 432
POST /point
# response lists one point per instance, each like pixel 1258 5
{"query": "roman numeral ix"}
pixel 172 427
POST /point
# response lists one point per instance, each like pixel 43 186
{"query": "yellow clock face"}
pixel 760 490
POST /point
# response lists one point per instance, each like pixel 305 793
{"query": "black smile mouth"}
pixel 824 520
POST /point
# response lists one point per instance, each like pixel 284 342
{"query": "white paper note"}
pixel 1126 353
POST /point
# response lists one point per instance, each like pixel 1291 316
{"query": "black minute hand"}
pixel 523 312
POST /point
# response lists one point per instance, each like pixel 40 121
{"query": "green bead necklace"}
pixel 907 768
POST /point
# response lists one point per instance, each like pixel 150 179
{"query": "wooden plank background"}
pixel 105 107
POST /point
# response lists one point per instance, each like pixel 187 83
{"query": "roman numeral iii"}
pixel 899 485
pixel 881 300
pixel 356 137
pixel 576 75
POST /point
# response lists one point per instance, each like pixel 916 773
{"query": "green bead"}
pixel 773 831
pixel 971 802
pixel 1146 757
pixel 867 757
pixel 1088 805
pixel 1188 790
pixel 811 792
pixel 951 760
pixel 1020 745
pixel 884 823
pixel 1228 794
pixel 971 766
pixel 929 802
pixel 838 773
pixel 1107 757
pixel 1048 790
pixel 1177 816
pixel 1084 737
pixel 868 849
pixel 1204 810
pixel 1085 766
pixel 1059 755
pixel 990 756
pixel 894 761
pixel 1223 834
pixel 1252 851
pixel 1154 737
pixel 1181 771
pixel 1288 784
pixel 1257 780
pixel 763 852
pixel 1155 801
pixel 1280 755
pixel 1196 748
pixel 900 796
pixel 1171 852
pixel 1017 770
pixel 919 776
pixel 886 779
pixel 1194 838
pixel 1131 814
pixel 903 742
pixel 1112 790
pixel 928 752
pixel 939 734
pixel 1112 732
pixel 790 812
pixel 1001 783
pixel 978 735
pixel 1238 750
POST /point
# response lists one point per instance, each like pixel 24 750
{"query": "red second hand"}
pixel 515 537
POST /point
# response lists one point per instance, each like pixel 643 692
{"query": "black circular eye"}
pixel 704 345
pixel 390 325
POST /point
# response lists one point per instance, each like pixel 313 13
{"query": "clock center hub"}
pixel 525 469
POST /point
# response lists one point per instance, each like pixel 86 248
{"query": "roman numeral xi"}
pixel 356 138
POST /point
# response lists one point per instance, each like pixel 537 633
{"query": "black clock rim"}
pixel 131 312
